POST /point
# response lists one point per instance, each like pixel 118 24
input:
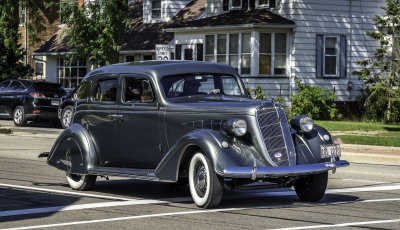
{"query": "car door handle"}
pixel 115 116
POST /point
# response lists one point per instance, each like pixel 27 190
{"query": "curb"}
pixel 369 158
pixel 5 130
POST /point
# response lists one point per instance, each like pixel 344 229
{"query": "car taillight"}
pixel 37 95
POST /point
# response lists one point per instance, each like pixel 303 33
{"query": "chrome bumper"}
pixel 280 171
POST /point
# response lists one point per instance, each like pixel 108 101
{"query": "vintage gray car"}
pixel 176 120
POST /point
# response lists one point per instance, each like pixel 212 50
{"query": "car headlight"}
pixel 302 123
pixel 236 127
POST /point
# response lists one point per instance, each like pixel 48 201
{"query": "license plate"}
pixel 55 102
pixel 329 150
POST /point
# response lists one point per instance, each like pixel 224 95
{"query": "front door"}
pixel 139 127
pixel 102 121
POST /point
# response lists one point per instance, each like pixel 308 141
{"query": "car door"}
pixel 102 120
pixel 14 95
pixel 140 121
pixel 3 88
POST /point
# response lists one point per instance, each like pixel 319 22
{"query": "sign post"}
pixel 162 52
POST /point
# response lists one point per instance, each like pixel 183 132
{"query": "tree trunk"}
pixel 389 111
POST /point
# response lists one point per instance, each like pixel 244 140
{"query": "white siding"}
pixel 341 17
pixel 169 8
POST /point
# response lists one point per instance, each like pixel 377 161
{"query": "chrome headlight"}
pixel 302 123
pixel 237 127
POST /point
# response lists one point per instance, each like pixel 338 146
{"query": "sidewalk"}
pixel 371 154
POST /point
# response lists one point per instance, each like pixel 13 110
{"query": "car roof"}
pixel 160 69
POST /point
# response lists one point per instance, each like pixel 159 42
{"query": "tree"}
pixel 95 30
pixel 381 73
pixel 11 53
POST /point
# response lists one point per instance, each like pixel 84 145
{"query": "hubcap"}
pixel 18 116
pixel 200 179
pixel 67 117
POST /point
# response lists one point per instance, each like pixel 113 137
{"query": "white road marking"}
pixel 367 181
pixel 65 192
pixel 204 211
pixel 341 225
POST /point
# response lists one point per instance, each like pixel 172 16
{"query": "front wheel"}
pixel 19 116
pixel 66 116
pixel 80 182
pixel 206 187
pixel 312 188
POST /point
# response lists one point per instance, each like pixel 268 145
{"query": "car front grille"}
pixel 276 135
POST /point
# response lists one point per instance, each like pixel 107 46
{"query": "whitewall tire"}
pixel 80 182
pixel 205 186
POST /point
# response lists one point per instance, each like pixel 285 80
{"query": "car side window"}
pixel 4 85
pixel 137 90
pixel 16 87
pixel 83 91
pixel 106 90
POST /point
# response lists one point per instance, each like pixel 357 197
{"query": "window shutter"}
pixel 178 52
pixel 272 3
pixel 245 4
pixel 225 5
pixel 319 55
pixel 199 51
pixel 252 4
pixel 343 57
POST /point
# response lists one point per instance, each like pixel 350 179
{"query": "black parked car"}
pixel 66 109
pixel 165 121
pixel 25 100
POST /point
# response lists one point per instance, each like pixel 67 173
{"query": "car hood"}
pixel 217 104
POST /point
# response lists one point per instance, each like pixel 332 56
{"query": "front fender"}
pixel 209 141
pixel 308 145
pixel 73 151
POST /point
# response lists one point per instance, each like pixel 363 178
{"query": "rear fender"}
pixel 73 151
pixel 210 142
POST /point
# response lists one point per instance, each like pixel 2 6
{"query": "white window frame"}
pixel 258 5
pixel 70 67
pixel 337 47
pixel 287 54
pixel 151 10
pixel 239 54
pixel 231 7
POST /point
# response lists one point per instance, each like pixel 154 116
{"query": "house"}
pixel 269 42
pixel 51 23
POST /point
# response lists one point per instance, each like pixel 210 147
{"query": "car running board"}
pixel 142 174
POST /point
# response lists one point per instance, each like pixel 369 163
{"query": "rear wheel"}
pixel 19 116
pixel 206 187
pixel 66 116
pixel 81 182
pixel 312 188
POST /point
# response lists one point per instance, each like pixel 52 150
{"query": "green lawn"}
pixel 367 133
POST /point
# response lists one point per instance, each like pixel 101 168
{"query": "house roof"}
pixel 236 17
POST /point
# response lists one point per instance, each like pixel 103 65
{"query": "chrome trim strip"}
pixel 283 136
pixel 295 170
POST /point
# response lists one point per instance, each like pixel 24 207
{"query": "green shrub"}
pixel 258 93
pixel 314 101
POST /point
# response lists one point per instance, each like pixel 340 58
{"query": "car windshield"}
pixel 200 84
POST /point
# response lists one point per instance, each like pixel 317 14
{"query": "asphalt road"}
pixel 36 196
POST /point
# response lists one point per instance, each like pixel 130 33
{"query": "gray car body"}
pixel 157 140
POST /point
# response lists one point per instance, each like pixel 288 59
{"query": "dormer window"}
pixel 246 4
pixel 266 3
pixel 236 4
pixel 156 9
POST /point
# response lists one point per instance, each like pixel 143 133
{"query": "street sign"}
pixel 162 52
